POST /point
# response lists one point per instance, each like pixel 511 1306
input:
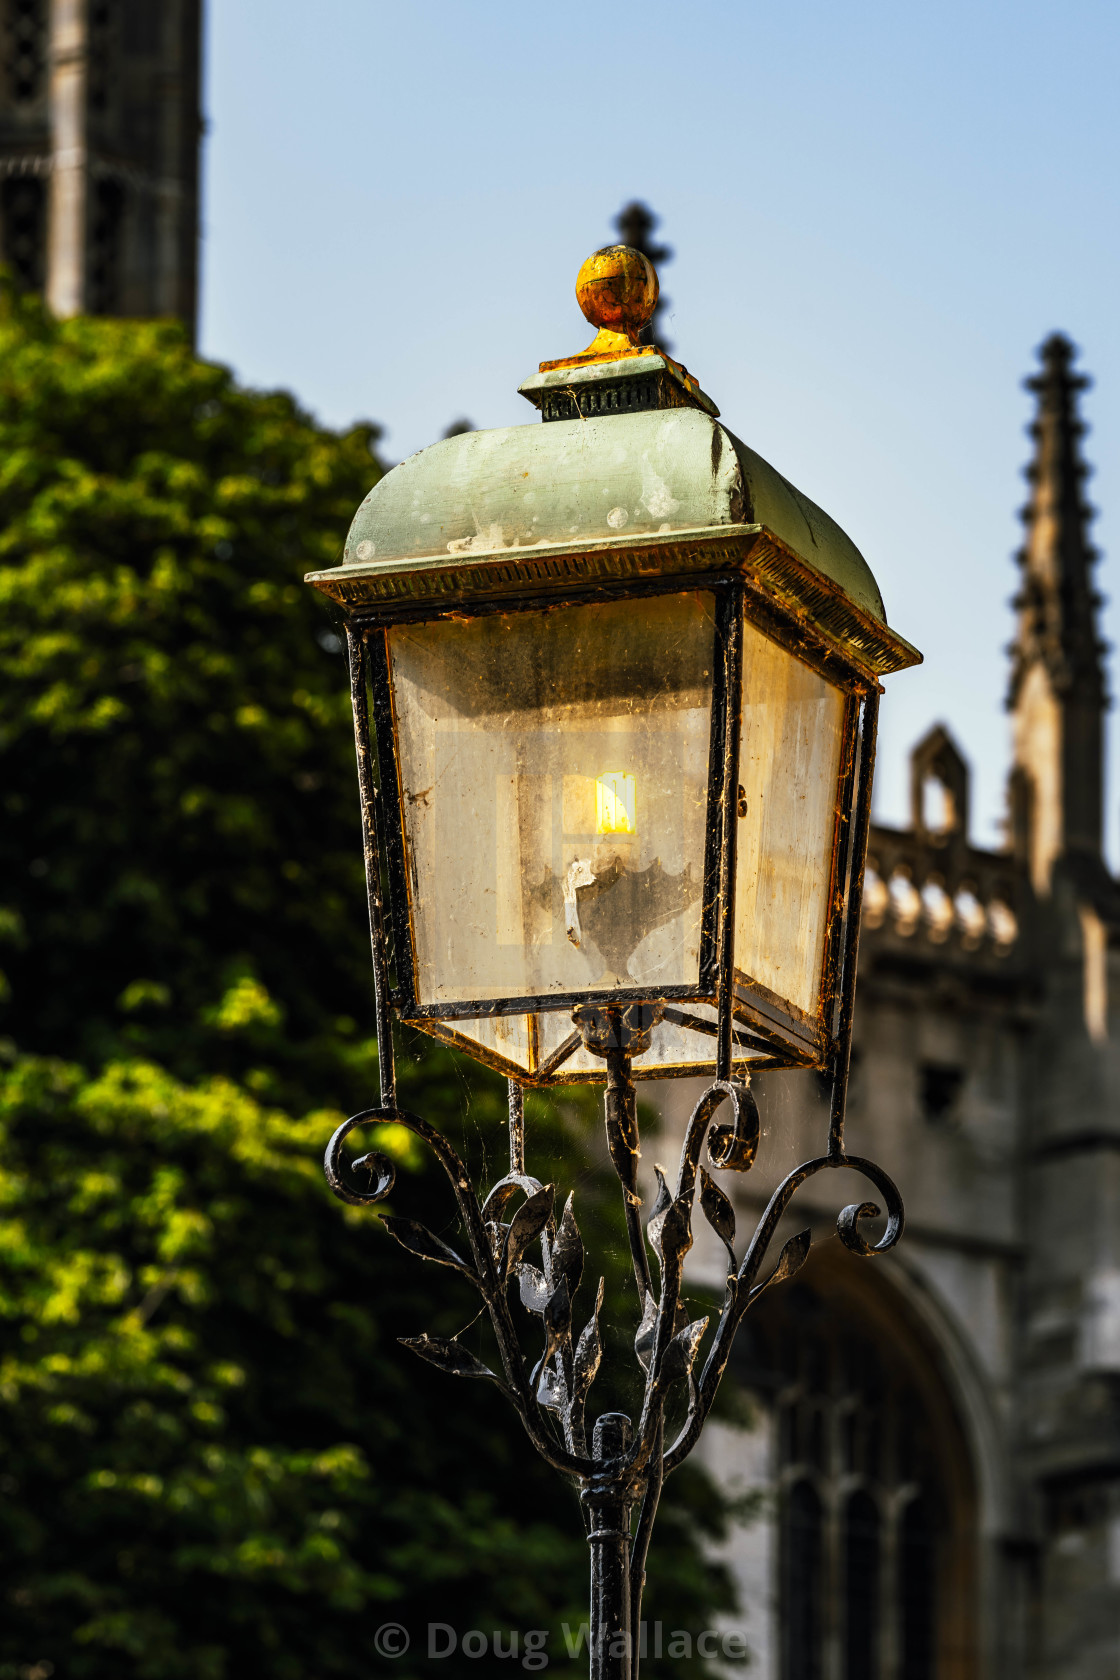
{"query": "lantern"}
pixel 623 680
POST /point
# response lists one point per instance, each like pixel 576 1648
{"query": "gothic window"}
pixel 874 1516
pixel 106 228
pixel 801 1582
pixel 23 228
pixel 23 46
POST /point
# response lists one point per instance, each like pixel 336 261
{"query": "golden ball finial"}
pixel 617 290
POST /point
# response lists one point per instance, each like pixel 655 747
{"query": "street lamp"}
pixel 623 681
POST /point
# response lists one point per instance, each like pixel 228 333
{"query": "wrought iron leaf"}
pixel 793 1257
pixel 676 1232
pixel 566 1251
pixel 558 1313
pixel 588 1354
pixel 661 1206
pixel 680 1355
pixel 643 1341
pixel 552 1390
pixel 495 1236
pixel 534 1288
pixel 448 1356
pixel 419 1240
pixel 527 1223
pixel 719 1213
pixel 790 1260
pixel 504 1191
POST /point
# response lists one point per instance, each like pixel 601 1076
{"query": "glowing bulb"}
pixel 615 803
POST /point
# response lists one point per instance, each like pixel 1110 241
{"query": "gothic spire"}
pixel 1056 603
pixel 1058 690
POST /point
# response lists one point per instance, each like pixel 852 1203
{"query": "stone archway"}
pixel 875 1561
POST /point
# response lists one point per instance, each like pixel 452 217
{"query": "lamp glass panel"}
pixel 518 1045
pixel 789 772
pixel 553 773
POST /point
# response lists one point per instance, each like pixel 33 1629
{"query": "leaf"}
pixel 643 1340
pixel 448 1356
pixel 419 1240
pixel 527 1223
pixel 558 1313
pixel 719 1213
pixel 676 1233
pixel 588 1354
pixel 680 1355
pixel 660 1209
pixel 534 1288
pixel 792 1257
pixel 566 1258
pixel 790 1260
pixel 503 1192
pixel 552 1390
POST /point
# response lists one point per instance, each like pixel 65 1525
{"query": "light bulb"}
pixel 616 803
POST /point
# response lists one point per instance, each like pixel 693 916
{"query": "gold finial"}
pixel 617 290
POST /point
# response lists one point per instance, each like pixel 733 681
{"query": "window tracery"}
pixel 868 1507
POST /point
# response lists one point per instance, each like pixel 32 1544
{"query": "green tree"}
pixel 214 1458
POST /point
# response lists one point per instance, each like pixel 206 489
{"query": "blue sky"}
pixel 878 211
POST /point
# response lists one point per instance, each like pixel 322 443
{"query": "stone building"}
pixel 938 1432
pixel 99 153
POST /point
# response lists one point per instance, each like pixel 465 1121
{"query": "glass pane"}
pixel 801 1584
pixel 916 1578
pixel 861 1588
pixel 554 781
pixel 789 768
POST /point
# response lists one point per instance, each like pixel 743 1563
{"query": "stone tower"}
pixel 1057 695
pixel 938 1434
pixel 99 151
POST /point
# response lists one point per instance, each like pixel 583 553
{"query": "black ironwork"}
pixel 620 1465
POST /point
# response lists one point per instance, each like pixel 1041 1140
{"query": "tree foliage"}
pixel 214 1457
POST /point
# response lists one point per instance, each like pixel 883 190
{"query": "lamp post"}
pixel 615 685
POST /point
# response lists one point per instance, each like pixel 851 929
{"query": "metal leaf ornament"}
pixel 504 1191
pixel 449 1356
pixel 675 1236
pixel 719 1213
pixel 585 1365
pixel 534 1288
pixel 558 1313
pixel 680 1355
pixel 790 1260
pixel 419 1240
pixel 552 1390
pixel 643 1340
pixel 527 1224
pixel 566 1251
pixel 662 1203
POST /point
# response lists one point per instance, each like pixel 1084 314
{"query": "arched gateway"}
pixel 872 1544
